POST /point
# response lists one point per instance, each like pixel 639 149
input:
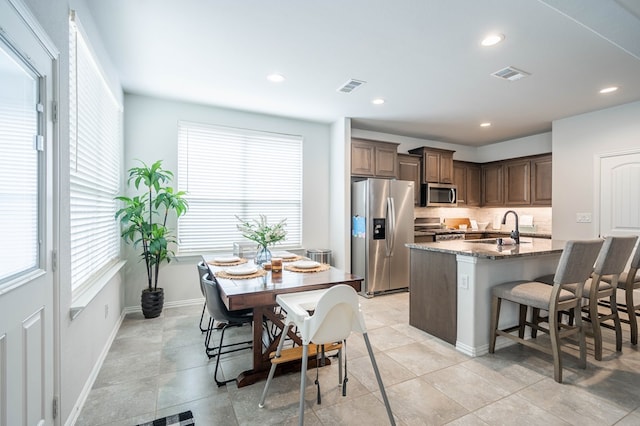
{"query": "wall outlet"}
pixel 583 217
pixel 464 282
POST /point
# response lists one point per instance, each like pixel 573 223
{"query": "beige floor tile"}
pixel 364 410
pixel 419 359
pixel 517 410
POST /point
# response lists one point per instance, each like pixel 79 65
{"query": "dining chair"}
pixel 628 282
pixel 202 271
pixel 575 266
pixel 219 312
pixel 336 313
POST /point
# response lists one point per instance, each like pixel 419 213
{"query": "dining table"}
pixel 259 294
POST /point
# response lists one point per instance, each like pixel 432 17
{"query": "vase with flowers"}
pixel 263 234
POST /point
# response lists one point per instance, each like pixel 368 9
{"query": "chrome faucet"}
pixel 515 234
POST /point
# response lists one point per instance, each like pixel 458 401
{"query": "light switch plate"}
pixel 583 217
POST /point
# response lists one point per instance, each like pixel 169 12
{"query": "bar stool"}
pixel 575 265
pixel 629 281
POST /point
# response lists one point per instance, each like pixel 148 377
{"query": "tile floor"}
pixel 158 367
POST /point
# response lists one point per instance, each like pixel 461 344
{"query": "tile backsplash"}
pixel 541 215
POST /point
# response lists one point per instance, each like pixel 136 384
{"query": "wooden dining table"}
pixel 260 294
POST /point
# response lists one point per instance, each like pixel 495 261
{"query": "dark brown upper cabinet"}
pixel 374 158
pixel 437 164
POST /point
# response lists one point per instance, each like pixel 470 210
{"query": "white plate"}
pixel 242 270
pixel 226 259
pixel 305 264
pixel 284 254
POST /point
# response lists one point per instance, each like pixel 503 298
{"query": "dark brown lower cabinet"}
pixel 433 294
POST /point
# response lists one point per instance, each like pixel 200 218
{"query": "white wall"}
pixel 576 143
pixel 151 134
pixel 340 198
pixel 83 341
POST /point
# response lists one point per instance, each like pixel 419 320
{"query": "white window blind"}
pixel 96 143
pixel 19 171
pixel 228 172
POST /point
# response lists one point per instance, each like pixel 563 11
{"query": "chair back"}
pixel 337 314
pixel 203 270
pixel 576 262
pixel 614 255
pixel 635 264
pixel 217 310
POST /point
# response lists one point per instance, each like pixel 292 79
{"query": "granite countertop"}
pixel 488 249
pixel 486 231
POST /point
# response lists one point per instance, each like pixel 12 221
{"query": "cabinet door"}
pixel 362 159
pixel 541 181
pixel 386 161
pixel 492 185
pixel 446 168
pixel 431 163
pixel 517 183
pixel 460 181
pixel 473 186
pixel 409 169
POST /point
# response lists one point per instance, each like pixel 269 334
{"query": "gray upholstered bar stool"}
pixel 611 262
pixel 575 266
pixel 628 282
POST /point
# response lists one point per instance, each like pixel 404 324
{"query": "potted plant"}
pixel 144 224
pixel 263 234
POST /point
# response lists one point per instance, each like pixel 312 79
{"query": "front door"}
pixel 27 76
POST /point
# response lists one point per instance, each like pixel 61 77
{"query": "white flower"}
pixel 261 232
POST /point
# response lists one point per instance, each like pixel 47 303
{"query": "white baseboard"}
pixel 168 305
pixel 82 398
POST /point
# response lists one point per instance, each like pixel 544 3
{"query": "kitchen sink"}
pixel 493 241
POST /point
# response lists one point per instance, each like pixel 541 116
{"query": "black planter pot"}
pixel 152 302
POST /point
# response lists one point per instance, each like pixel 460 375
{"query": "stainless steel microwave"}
pixel 438 195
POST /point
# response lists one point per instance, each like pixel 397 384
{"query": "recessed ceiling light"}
pixel 492 39
pixel 609 89
pixel 487 124
pixel 275 78
pixel 377 101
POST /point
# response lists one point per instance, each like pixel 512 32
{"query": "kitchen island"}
pixel 450 285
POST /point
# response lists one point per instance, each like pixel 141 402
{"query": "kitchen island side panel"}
pixel 433 301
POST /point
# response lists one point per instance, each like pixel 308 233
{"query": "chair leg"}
pixel 594 317
pixel 495 317
pixel 522 320
pixel 272 370
pixel 379 379
pixel 582 341
pixel 616 321
pixel 202 329
pixel 631 312
pixel 535 319
pixel 303 383
pixel 555 346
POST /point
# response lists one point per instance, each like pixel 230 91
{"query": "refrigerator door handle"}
pixel 391 219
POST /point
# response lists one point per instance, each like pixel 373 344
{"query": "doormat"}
pixel 182 419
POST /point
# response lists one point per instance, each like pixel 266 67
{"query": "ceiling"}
pixel 423 57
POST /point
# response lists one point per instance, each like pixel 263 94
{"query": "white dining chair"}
pixel 336 313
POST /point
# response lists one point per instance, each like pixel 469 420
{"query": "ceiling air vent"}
pixel 351 85
pixel 510 73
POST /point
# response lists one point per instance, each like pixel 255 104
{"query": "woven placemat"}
pixel 292 259
pixel 258 273
pixel 322 267
pixel 239 262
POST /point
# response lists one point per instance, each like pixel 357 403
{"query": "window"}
pixel 228 172
pixel 19 165
pixel 96 143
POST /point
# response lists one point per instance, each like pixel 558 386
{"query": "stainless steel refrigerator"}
pixel 382 223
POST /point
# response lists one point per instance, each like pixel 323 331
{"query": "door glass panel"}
pixel 18 166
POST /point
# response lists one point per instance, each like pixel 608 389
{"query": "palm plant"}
pixel 144 217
